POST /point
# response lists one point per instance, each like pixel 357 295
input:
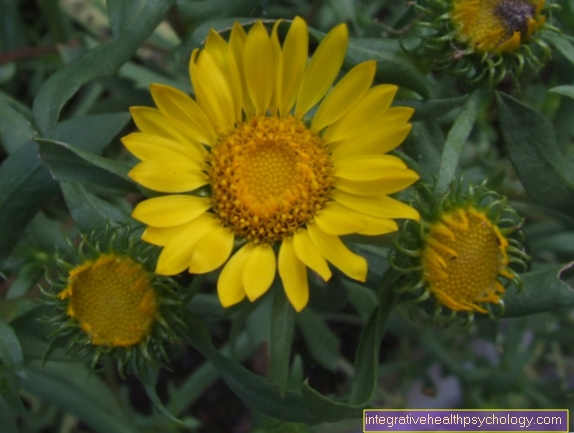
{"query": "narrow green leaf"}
pixel 33 348
pixel 10 350
pixel 562 45
pixel 202 10
pixel 118 12
pixel 25 185
pixel 544 290
pixel 69 163
pixel 252 389
pixel 15 129
pixel 102 61
pixel 72 388
pixel 90 212
pixel 563 90
pixel 431 108
pixel 282 329
pixel 322 343
pixel 148 382
pixel 547 176
pixel 91 133
pixel 455 141
pixel 424 145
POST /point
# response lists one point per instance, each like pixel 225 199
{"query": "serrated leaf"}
pixel 69 163
pixel 71 387
pixel 544 290
pixel 455 141
pixel 102 61
pixel 89 211
pixel 25 185
pixel 529 138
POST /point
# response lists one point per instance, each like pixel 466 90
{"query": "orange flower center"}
pixel 269 177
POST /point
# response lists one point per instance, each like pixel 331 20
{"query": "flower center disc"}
pixel 269 177
pixel 112 300
pixel 462 259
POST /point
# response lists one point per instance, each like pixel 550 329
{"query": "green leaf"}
pixel 562 45
pixel 15 129
pixel 34 348
pixel 10 350
pixel 25 185
pixel 71 387
pixel 91 133
pixel 69 163
pixel 430 109
pixel 563 90
pixel 544 290
pixel 393 65
pixel 322 343
pixel 90 212
pixel 455 141
pixel 282 329
pixel 424 145
pixel 102 61
pixel 547 176
pixel 202 10
pixel 148 382
pixel 252 389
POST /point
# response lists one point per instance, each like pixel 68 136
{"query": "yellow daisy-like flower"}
pixel 497 26
pixel 464 255
pixel 460 252
pixel 112 299
pixel 274 177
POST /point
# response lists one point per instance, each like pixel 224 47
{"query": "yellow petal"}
pixel 175 176
pixel 397 115
pixel 218 49
pixel 259 271
pixel 338 254
pixel 154 122
pixel 237 44
pixel 336 219
pixel 392 182
pixel 293 275
pixel 368 167
pixel 170 210
pixel 230 283
pixel 152 147
pixel 323 69
pixel 363 115
pixel 212 92
pixel 378 226
pixel 308 253
pixel 161 236
pixel 380 139
pixel 345 95
pixel 375 206
pixel 259 67
pixel 212 250
pixel 175 256
pixel 174 103
pixel 295 50
pixel 278 68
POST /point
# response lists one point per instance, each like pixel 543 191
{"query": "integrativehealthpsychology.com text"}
pixel 429 420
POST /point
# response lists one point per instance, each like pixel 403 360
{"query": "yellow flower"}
pixel 460 252
pixel 497 26
pixel 112 300
pixel 464 255
pixel 243 166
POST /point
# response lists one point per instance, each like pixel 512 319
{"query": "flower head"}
pixel 112 303
pixel 462 251
pixel 247 166
pixel 484 40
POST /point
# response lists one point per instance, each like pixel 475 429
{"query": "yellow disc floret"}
pixel 463 256
pixel 269 177
pixel 112 300
pixel 497 26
